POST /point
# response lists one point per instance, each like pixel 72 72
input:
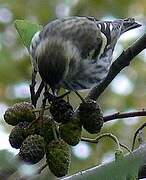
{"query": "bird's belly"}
pixel 80 80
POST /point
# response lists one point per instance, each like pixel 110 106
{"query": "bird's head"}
pixel 53 55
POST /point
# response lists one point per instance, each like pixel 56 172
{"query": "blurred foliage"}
pixel 102 8
pixel 15 66
pixel 7 160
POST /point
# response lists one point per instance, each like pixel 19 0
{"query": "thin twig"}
pixel 113 137
pixel 42 168
pixel 124 146
pixel 106 135
pixel 39 109
pixel 136 133
pixel 35 95
pixel 63 95
pixel 32 87
pixel 38 92
pixel 75 91
pixel 44 101
pixel 32 123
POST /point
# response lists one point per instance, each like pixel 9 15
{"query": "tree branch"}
pixel 120 63
pixel 119 115
pixel 132 161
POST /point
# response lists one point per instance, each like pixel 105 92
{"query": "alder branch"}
pixel 120 63
pixel 119 115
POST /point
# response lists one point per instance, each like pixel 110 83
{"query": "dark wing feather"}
pixel 113 29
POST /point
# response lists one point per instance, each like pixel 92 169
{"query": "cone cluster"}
pixel 36 136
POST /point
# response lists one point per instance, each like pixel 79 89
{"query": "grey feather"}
pixel 76 50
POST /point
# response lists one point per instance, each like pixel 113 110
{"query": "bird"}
pixel 76 52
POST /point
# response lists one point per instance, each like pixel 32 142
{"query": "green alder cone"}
pixel 58 157
pixel 32 149
pixel 71 131
pixel 43 127
pixel 46 131
pixel 19 112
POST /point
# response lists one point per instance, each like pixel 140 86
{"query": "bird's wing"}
pixel 81 31
pixel 113 29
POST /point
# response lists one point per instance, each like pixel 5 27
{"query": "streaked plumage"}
pixel 76 51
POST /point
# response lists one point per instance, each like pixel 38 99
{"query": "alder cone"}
pixel 71 132
pixel 91 116
pixel 18 135
pixel 43 127
pixel 32 149
pixel 58 157
pixel 61 110
pixel 19 112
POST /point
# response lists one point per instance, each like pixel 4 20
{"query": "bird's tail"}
pixel 128 24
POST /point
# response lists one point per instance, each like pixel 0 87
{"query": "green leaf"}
pixel 26 30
